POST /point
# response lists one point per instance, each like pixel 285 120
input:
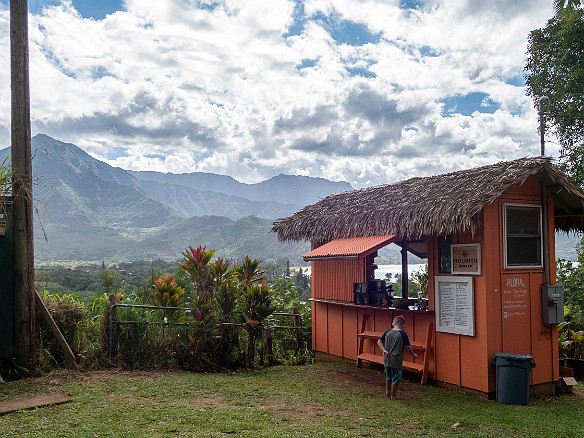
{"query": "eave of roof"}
pixel 349 248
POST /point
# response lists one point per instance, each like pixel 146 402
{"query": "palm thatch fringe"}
pixel 436 205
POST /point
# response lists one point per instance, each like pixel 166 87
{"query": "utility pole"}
pixel 544 203
pixel 542 99
pixel 25 343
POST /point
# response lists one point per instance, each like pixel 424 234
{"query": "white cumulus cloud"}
pixel 364 91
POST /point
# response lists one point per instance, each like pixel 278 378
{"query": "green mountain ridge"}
pixel 90 211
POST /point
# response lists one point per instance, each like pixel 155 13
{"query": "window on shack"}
pixel 522 242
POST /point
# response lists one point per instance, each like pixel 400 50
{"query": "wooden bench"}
pixel 421 349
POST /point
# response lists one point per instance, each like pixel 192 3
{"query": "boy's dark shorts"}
pixel 393 375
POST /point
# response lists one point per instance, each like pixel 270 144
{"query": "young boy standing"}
pixel 392 343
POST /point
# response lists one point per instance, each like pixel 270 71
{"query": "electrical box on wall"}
pixel 552 303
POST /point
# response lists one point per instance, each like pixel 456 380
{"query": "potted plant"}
pixel 420 278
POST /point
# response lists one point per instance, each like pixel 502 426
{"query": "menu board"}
pixel 454 305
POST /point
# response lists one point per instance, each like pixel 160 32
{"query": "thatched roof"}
pixel 436 205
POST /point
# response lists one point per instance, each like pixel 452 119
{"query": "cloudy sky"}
pixel 365 91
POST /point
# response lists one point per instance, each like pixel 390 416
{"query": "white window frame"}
pixel 533 206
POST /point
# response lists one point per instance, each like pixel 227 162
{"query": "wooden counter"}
pixel 337 323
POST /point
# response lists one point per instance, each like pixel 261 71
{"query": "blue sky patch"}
pixel 101 72
pixel 346 31
pixel 96 9
pixel 57 63
pixel 518 81
pixel 358 71
pixel 468 104
pixel 299 22
pixel 207 5
pixel 116 153
pixel 429 51
pixel 306 63
pixel 410 4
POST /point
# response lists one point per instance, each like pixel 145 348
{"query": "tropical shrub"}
pixel 225 307
pixel 571 332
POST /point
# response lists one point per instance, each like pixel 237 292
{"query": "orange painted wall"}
pixel 467 360
pixel 333 279
pixel 335 330
pixel 320 327
pixel 350 328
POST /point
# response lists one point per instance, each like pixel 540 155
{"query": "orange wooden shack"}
pixel 488 235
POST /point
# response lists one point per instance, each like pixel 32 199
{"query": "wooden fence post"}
pixel 297 328
pixel 269 345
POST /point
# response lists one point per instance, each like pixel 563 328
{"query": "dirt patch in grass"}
pixel 299 411
pixel 199 401
pixel 372 381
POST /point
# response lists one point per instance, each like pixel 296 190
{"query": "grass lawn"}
pixel 323 399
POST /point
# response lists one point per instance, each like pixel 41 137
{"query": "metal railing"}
pixel 113 319
pixel 269 324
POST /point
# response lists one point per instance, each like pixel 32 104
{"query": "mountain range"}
pixel 87 210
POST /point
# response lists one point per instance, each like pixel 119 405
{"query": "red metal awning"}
pixel 350 248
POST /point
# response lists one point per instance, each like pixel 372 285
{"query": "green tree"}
pixel 396 285
pixel 555 68
pixel 249 272
pixel 109 279
pixel 571 276
pixel 560 5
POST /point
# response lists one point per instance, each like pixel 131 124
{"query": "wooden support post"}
pixel 269 345
pixel 404 254
pixel 25 345
pixel 69 356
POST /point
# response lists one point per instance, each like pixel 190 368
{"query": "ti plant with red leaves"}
pixel 197 263
pixel 226 294
pixel 166 292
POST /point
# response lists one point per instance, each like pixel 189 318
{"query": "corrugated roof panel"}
pixel 352 247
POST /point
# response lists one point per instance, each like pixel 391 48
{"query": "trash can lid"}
pixel 514 356
pixel 524 358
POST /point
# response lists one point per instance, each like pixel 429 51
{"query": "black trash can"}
pixel 513 372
